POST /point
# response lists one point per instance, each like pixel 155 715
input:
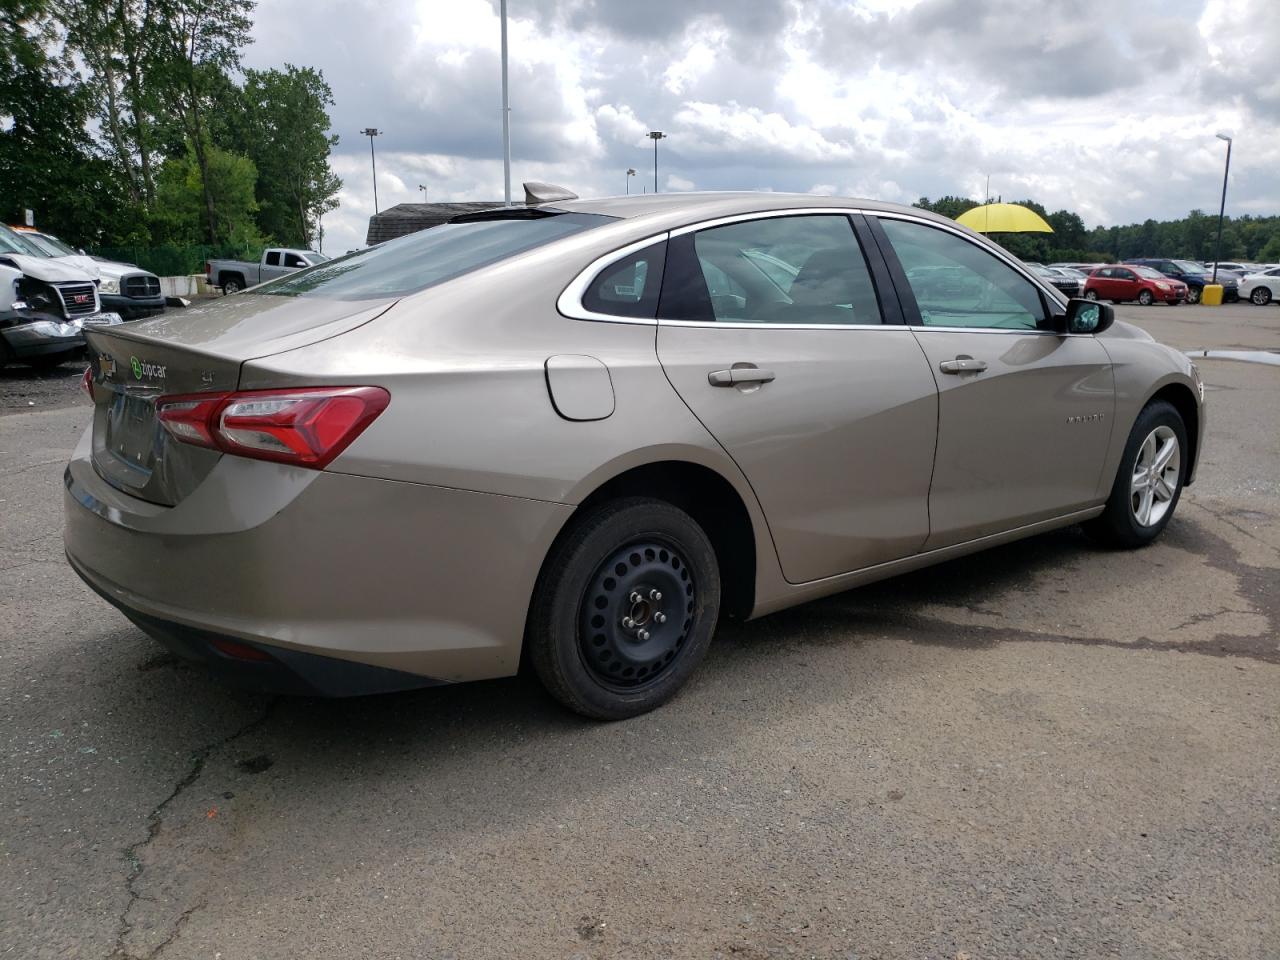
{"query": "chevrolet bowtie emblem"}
pixel 106 365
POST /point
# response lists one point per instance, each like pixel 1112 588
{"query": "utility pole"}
pixel 631 172
pixel 506 112
pixel 1222 209
pixel 655 136
pixel 424 191
pixel 372 132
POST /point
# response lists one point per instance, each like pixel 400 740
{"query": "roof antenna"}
pixel 536 192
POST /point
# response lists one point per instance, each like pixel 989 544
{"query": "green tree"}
pixel 290 142
pixel 197 43
pixel 48 162
pixel 186 192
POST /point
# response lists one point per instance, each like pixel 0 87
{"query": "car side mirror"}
pixel 1087 316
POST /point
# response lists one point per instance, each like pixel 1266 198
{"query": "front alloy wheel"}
pixel 1149 481
pixel 1155 476
pixel 1193 295
pixel 1145 298
pixel 1091 294
pixel 1261 296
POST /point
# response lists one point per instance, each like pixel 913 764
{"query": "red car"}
pixel 1126 281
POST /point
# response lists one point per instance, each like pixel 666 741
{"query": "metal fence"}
pixel 174 261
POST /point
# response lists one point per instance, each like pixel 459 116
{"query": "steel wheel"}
pixel 636 614
pixel 1155 476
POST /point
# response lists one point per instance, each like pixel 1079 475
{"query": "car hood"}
pixel 106 269
pixel 49 270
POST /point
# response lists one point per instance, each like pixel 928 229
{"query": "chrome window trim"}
pixel 747 325
pixel 766 215
pixel 569 303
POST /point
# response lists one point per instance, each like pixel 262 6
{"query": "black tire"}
pixel 1118 526
pixel 232 284
pixel 1145 297
pixel 1261 296
pixel 6 353
pixel 583 654
pixel 1091 294
pixel 1193 295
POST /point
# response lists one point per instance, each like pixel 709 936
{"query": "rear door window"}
pixel 785 270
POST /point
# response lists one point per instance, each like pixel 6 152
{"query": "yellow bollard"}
pixel 1211 295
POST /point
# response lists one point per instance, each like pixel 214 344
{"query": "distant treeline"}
pixel 131 122
pixel 1244 238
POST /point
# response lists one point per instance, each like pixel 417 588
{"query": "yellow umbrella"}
pixel 1004 218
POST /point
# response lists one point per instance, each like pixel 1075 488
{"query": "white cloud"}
pixel 878 98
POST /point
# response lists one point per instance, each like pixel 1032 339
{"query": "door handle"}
pixel 962 365
pixel 738 375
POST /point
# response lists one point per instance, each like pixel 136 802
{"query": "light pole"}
pixel 424 191
pixel 631 172
pixel 372 132
pixel 1217 251
pixel 506 111
pixel 655 136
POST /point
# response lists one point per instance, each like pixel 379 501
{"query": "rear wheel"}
pixel 1148 483
pixel 1260 296
pixel 1145 298
pixel 624 608
pixel 232 285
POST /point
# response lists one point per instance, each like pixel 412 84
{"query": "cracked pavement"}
pixel 1045 750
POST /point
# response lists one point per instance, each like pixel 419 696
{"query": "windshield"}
pixel 50 246
pixel 1186 266
pixel 1149 272
pixel 13 242
pixel 428 257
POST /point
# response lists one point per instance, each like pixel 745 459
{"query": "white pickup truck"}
pixel 235 275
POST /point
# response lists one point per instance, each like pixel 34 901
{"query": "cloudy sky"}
pixel 1098 106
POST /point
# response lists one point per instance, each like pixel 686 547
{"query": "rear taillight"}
pixel 208 271
pixel 86 381
pixel 306 426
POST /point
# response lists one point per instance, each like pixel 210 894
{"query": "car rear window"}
pixel 420 260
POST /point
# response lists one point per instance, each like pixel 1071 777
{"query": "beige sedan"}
pixel 586 430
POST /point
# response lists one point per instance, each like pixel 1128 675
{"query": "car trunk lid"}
pixel 190 352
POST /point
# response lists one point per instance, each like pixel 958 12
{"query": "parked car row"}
pixel 45 305
pixel 1149 280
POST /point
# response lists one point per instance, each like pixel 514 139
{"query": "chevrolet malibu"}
pixel 584 431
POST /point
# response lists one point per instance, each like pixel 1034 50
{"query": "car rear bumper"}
pixel 306 566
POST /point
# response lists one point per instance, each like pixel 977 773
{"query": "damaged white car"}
pixel 44 307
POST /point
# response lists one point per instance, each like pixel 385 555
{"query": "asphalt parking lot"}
pixel 1046 750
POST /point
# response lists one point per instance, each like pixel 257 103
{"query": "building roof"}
pixel 406 218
